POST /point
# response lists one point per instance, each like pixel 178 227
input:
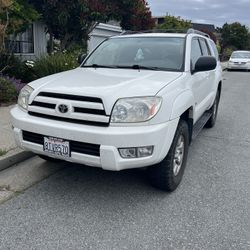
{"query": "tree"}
pixel 235 35
pixel 211 34
pixel 71 20
pixel 135 15
pixel 15 17
pixel 4 21
pixel 175 23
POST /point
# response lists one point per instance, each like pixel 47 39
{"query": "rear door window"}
pixel 205 49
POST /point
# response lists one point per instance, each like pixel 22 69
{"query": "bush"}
pixel 18 84
pixel 227 52
pixel 8 92
pixel 12 66
pixel 53 64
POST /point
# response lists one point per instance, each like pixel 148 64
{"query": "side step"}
pixel 200 124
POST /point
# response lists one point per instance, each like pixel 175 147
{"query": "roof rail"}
pixel 129 32
pixel 193 31
pixel 184 31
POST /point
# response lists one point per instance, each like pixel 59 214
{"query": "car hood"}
pixel 107 84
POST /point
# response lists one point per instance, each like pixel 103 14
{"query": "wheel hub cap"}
pixel 179 155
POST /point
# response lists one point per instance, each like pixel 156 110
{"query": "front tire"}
pixel 214 110
pixel 168 174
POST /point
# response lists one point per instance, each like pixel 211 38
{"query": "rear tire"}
pixel 214 110
pixel 168 174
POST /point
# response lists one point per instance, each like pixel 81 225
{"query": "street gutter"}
pixel 13 157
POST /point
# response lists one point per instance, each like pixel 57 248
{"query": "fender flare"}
pixel 182 103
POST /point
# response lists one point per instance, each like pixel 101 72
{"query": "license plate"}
pixel 56 146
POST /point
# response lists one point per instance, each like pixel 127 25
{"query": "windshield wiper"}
pixel 139 67
pixel 98 66
pixel 135 66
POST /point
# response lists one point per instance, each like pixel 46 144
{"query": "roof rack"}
pixel 183 31
pixel 129 32
pixel 193 31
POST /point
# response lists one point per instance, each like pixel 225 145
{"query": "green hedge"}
pixel 53 64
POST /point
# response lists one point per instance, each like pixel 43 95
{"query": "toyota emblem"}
pixel 63 108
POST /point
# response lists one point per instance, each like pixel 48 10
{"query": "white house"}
pixel 32 44
pixel 101 32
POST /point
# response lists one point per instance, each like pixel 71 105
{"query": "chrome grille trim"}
pixel 79 104
pixel 80 108
pixel 71 97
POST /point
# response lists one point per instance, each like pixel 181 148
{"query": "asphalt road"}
pixel 87 208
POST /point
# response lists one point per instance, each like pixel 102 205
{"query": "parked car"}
pixel 136 101
pixel 239 60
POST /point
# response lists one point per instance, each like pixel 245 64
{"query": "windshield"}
pixel 241 55
pixel 153 53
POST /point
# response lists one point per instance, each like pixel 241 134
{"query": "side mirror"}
pixel 81 58
pixel 205 63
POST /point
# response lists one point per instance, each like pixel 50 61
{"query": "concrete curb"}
pixel 13 158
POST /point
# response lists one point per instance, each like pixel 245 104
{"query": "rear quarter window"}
pixel 205 48
pixel 215 51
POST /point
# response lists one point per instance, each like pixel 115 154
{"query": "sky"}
pixel 215 12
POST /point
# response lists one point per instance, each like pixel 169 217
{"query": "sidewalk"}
pixel 7 141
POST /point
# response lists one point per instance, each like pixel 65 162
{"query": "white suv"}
pixel 136 101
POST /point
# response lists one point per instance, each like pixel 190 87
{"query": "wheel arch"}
pixel 188 116
pixel 183 108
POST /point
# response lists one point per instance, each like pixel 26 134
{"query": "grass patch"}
pixel 3 152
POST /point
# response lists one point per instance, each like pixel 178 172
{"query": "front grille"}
pixel 81 109
pixel 43 105
pixel 90 111
pixel 243 63
pixel 69 120
pixel 75 146
pixel 71 97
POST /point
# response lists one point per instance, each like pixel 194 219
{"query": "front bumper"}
pixel 239 66
pixel 109 138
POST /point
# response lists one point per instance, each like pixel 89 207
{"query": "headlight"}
pixel 23 98
pixel 136 109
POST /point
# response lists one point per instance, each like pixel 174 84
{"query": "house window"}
pixel 22 43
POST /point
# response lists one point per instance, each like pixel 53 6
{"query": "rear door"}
pixel 210 75
pixel 200 80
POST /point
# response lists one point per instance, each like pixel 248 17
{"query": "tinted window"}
pixel 204 47
pixel 195 52
pixel 166 53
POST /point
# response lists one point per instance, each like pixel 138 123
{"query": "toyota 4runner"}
pixel 136 101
